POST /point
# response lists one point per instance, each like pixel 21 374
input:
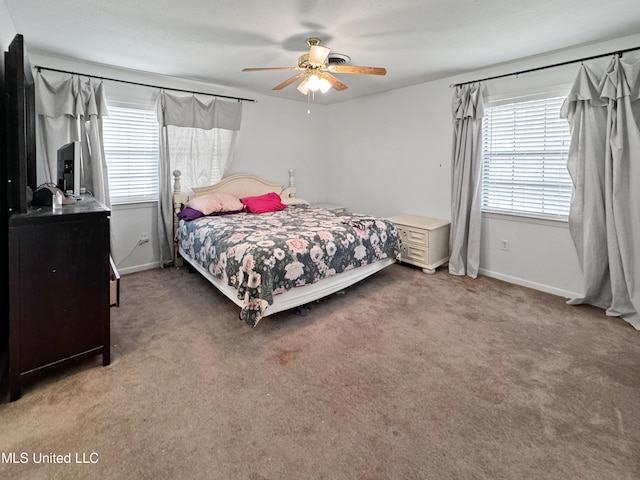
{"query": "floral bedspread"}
pixel 262 255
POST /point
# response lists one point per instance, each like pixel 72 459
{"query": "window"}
pixel 200 155
pixel 524 159
pixel 131 145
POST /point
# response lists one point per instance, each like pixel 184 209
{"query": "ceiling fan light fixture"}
pixel 313 82
pixel 325 86
pixel 303 88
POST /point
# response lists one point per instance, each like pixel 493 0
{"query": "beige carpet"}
pixel 404 376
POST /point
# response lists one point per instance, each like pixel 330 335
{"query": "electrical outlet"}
pixel 144 238
pixel 504 245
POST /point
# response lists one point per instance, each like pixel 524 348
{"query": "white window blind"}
pixel 524 159
pixel 132 154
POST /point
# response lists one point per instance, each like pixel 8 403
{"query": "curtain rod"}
pixel 240 99
pixel 617 52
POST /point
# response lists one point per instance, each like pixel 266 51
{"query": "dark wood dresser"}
pixel 58 288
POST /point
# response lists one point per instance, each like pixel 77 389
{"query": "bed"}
pixel 278 259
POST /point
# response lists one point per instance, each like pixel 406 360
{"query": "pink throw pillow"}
pixel 269 202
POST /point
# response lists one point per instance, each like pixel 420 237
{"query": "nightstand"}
pixel 332 207
pixel 425 241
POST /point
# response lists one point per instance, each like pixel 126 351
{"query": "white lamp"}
pixel 303 87
pixel 314 83
pixel 324 85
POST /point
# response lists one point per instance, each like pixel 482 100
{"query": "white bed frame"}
pixel 243 185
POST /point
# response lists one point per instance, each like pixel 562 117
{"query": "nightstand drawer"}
pixel 414 235
pixel 415 253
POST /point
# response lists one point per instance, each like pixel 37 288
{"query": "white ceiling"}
pixel 415 40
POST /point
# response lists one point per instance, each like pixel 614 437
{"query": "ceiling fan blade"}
pixel 269 68
pixel 289 81
pixel 335 83
pixel 318 54
pixel 356 69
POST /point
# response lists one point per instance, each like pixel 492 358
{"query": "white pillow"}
pixel 294 201
pixel 216 202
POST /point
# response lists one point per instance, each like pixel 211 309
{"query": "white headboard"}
pixel 241 185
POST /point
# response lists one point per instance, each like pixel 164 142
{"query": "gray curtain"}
pixel 603 110
pixel 464 241
pixel 71 108
pixel 197 138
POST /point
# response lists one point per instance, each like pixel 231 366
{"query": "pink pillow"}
pixel 269 202
pixel 216 202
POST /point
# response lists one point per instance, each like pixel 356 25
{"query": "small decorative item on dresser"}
pixel 425 241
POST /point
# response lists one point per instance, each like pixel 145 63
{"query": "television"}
pixel 19 173
pixel 18 160
pixel 69 168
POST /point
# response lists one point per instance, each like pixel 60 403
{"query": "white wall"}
pixel 391 153
pixel 277 135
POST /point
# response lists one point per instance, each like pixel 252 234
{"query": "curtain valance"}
pixel 620 79
pixel 182 111
pixel 70 95
pixel 468 102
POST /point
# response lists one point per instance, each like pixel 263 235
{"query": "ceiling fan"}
pixel 317 70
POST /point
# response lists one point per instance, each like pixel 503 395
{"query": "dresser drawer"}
pixel 414 235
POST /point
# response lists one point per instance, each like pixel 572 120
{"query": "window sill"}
pixel 550 222
pixel 134 205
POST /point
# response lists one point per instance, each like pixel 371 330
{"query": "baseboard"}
pixel 526 283
pixel 500 276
